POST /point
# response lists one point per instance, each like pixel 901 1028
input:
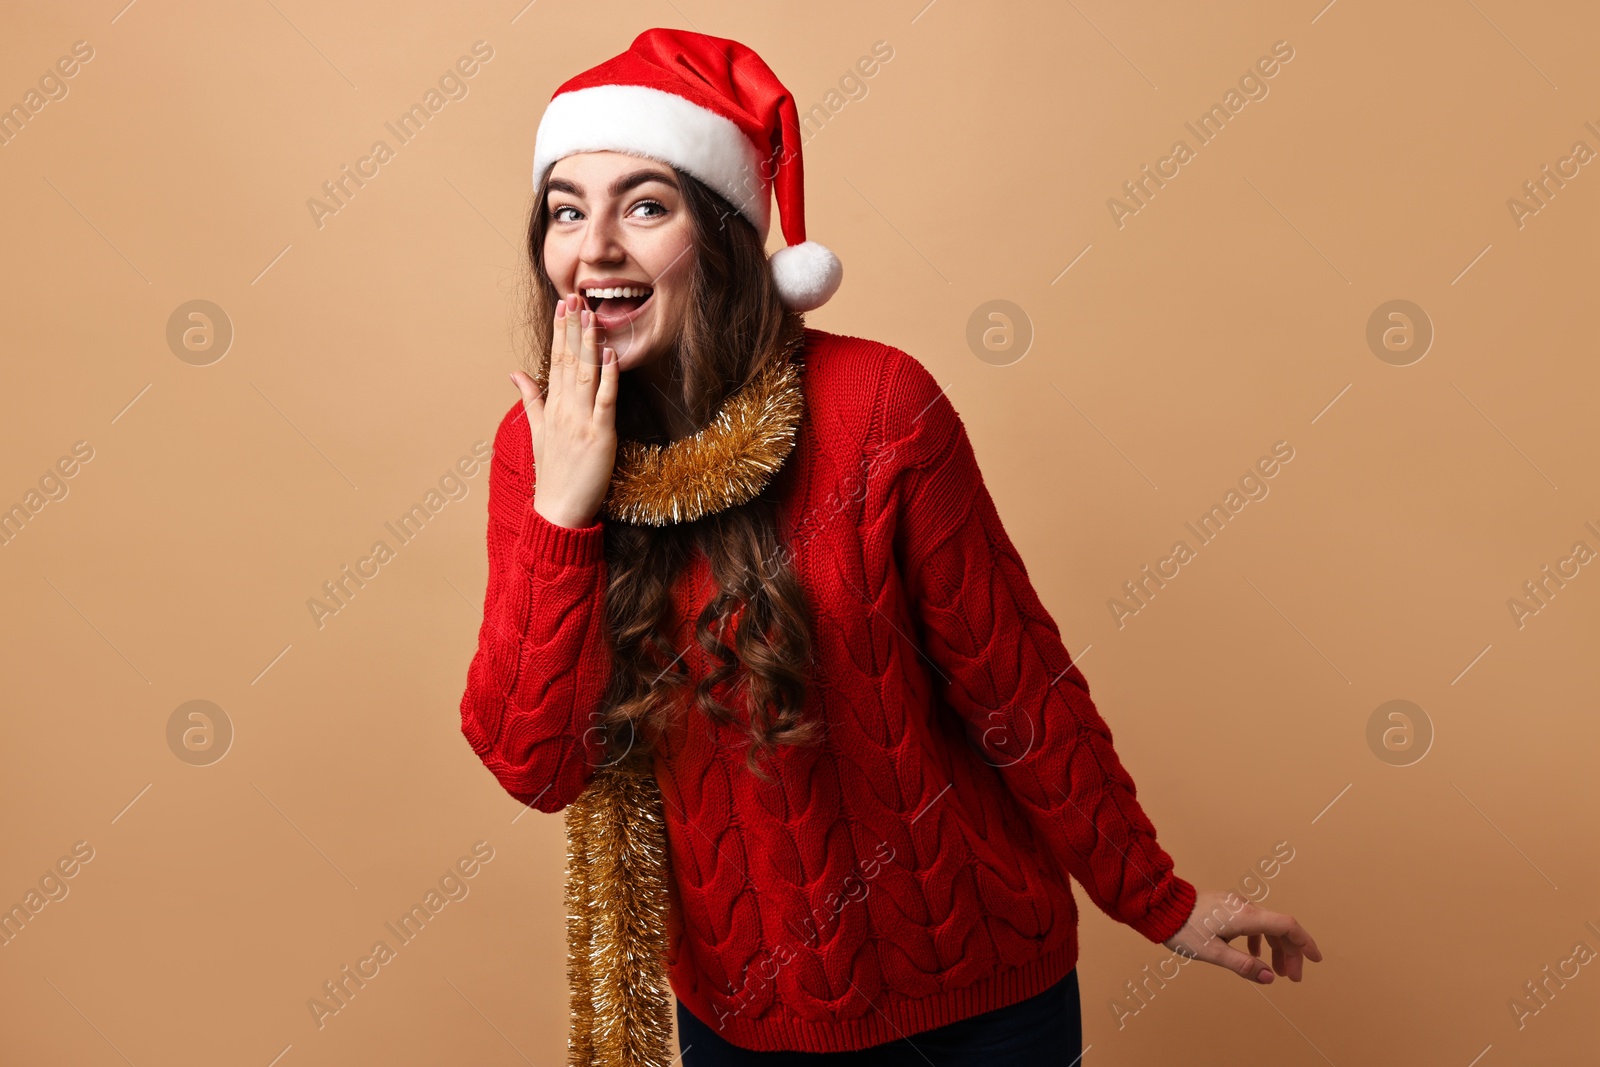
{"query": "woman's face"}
pixel 619 221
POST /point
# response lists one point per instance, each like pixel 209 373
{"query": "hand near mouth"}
pixel 573 423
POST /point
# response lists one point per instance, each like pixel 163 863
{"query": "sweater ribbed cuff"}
pixel 543 541
pixel 1171 910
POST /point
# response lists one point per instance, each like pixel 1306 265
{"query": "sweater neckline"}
pixel 725 464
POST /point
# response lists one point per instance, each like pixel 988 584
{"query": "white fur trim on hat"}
pixel 662 126
pixel 807 274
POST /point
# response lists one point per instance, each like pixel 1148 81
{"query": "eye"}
pixel 555 212
pixel 652 203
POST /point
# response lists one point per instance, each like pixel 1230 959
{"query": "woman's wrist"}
pixel 545 541
pixel 557 517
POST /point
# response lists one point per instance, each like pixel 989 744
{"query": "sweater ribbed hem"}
pixel 892 1017
pixel 543 541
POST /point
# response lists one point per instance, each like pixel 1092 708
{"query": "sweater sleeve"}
pixel 1000 664
pixel 537 681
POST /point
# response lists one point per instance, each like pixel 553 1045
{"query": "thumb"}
pixel 531 397
pixel 1250 968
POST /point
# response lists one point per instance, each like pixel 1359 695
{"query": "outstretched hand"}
pixel 1220 917
pixel 573 422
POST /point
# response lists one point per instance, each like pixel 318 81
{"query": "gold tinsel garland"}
pixel 617 893
pixel 617 911
pixel 723 465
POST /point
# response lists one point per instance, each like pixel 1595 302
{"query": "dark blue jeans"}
pixel 1043 1031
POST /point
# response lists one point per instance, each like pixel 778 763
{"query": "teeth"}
pixel 608 294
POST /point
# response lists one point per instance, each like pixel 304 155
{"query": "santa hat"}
pixel 710 107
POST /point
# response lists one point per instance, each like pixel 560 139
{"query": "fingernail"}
pixel 1264 976
pixel 583 318
pixel 561 310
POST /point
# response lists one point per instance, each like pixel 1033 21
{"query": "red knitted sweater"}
pixel 911 870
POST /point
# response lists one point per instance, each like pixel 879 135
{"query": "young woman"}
pixel 753 621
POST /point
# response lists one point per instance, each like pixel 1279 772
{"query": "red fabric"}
pixel 912 870
pixel 728 79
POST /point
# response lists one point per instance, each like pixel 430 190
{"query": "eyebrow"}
pixel 617 187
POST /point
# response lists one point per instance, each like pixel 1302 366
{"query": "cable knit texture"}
pixel 911 870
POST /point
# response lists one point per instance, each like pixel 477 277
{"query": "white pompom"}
pixel 807 274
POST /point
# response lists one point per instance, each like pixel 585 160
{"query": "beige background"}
pixel 1229 313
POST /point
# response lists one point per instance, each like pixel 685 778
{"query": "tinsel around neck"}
pixel 723 465
pixel 619 913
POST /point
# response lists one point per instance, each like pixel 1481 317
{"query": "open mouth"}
pixel 616 306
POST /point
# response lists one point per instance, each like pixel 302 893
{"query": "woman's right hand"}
pixel 574 424
pixel 1220 916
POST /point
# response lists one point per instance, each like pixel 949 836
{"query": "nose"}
pixel 601 240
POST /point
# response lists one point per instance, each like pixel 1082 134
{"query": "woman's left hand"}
pixel 1219 917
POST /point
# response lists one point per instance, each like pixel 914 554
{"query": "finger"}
pixel 532 401
pixel 587 372
pixel 1285 926
pixel 1301 940
pixel 594 343
pixel 572 345
pixel 558 345
pixel 1291 958
pixel 1254 941
pixel 1247 966
pixel 605 395
pixel 569 360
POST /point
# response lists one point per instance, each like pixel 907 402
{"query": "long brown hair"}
pixel 733 326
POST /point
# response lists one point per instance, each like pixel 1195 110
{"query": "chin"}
pixel 636 355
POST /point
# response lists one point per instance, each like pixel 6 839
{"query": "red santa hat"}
pixel 710 107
